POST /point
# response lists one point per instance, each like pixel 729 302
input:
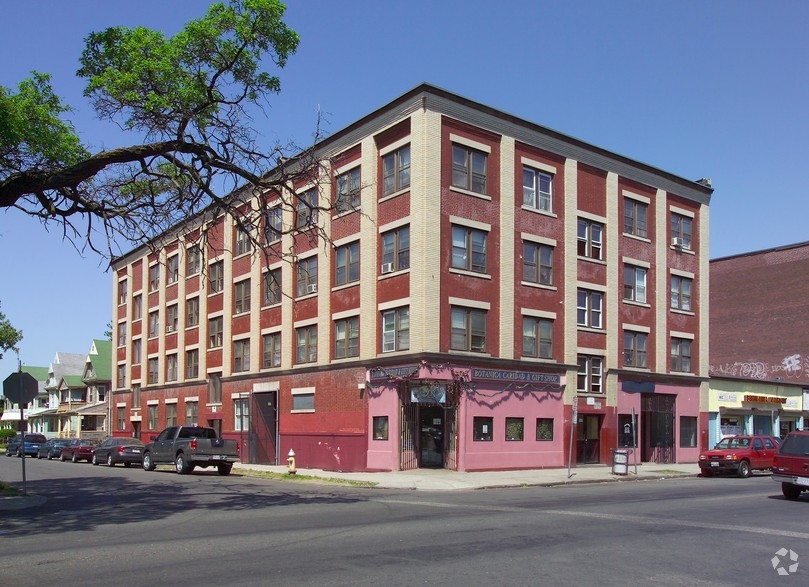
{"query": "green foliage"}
pixel 10 337
pixel 6 434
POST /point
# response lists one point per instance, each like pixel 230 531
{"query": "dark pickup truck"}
pixel 188 447
pixel 791 464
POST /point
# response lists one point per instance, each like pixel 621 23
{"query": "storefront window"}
pixel 627 435
pixel 688 431
pixel 380 427
pixel 483 428
pixel 515 428
pixel 544 428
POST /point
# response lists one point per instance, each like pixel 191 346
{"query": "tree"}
pixel 10 337
pixel 189 99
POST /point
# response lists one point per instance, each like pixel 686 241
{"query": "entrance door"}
pixel 588 439
pixel 431 436
pixel 263 428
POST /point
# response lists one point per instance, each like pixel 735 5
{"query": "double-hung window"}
pixel 152 370
pixel 635 283
pixel 192 364
pixel 306 345
pixel 396 171
pixel 468 169
pixel 122 291
pixel 348 191
pixel 469 249
pixel 635 217
pixel 241 297
pixel 537 189
pixel 307 209
pixel 635 349
pixel 589 307
pixel 396 330
pixel 154 277
pixel 172 318
pixel 171 367
pixel 307 276
pixel 271 350
pixel 537 263
pixel 274 226
pixel 347 263
pixel 192 311
pixel 215 332
pixel 241 355
pixel 154 324
pixel 468 329
pixel 172 269
pixel 681 230
pixel 396 249
pixel 272 287
pixel 193 260
pixel 216 277
pixel 681 355
pixel 537 337
pixel 122 334
pixel 347 338
pixel 590 243
pixel 241 411
pixel 681 293
pixel 588 378
pixel 244 243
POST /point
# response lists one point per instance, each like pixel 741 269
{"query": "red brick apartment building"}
pixel 505 297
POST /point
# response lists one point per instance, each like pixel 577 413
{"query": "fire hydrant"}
pixel 291 468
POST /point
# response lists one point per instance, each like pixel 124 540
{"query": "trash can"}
pixel 620 461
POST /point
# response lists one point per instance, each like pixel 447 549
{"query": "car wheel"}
pixel 62 457
pixel 75 458
pixel 790 491
pixel 94 460
pixel 744 469
pixel 147 464
pixel 181 464
pixel 224 470
pixel 110 462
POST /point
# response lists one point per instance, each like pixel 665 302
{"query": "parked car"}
pixel 188 447
pixel 740 455
pixel 791 464
pixel 53 448
pixel 78 450
pixel 119 450
pixel 30 446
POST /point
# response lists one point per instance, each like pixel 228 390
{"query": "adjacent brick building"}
pixel 492 282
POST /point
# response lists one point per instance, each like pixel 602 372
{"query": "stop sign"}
pixel 20 388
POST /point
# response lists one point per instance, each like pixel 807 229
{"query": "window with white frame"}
pixel 469 168
pixel 271 350
pixel 192 311
pixel 537 337
pixel 635 349
pixel 396 249
pixel 192 364
pixel 244 242
pixel 590 236
pixel 171 367
pixel 215 330
pixel 123 288
pixel 121 418
pixel 681 355
pixel 151 419
pixel 137 307
pixel 681 293
pixel 193 260
pixel 137 346
pixel 216 277
pixel 396 171
pixel 152 370
pixel 122 334
pixel 306 344
pixel 468 327
pixel 172 269
pixel 635 283
pixel 396 330
pixel 241 355
pixel 469 249
pixel 537 189
pixel 241 297
pixel 306 212
pixel 589 308
pixel 635 217
pixel 154 324
pixel 347 338
pixel 172 318
pixel 154 277
pixel 241 411
pixel 537 263
pixel 121 381
pixel 272 287
pixel 274 224
pixel 347 263
pixel 348 190
pixel 303 400
pixel 191 413
pixel 307 276
pixel 171 415
pixel 588 378
pixel 681 230
pixel 215 388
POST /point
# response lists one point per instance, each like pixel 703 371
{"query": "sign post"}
pixel 21 388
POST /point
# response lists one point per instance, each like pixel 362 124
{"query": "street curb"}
pixel 21 502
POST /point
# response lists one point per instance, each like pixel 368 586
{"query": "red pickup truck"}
pixel 791 466
pixel 740 455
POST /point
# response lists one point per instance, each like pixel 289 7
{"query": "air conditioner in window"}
pixel 387 267
pixel 169 328
pixel 677 242
pixel 311 288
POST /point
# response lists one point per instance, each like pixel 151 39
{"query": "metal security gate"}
pixel 657 422
pixel 263 429
pixel 408 445
pixel 451 438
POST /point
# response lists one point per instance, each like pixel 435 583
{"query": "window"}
pixel 191 413
pixel 307 276
pixel 241 410
pixel 396 249
pixel 347 338
pixel 635 217
pixel 171 414
pixel 171 367
pixel 635 283
pixel 348 191
pixel 306 212
pixel 380 428
pixel 272 287
pixel 122 291
pixel 688 432
pixel 589 239
pixel 627 431
pixel 137 307
pixel 588 378
pixel 136 351
pixel 172 269
pixel 544 428
pixel 468 330
pixel 244 243
pixel 635 349
pixel 135 395
pixel 192 311
pixel 681 230
pixel 152 373
pixel 121 417
pixel 537 189
pixel 537 337
pixel 274 226
pixel 681 355
pixel 122 334
pixel 537 263
pixel 469 249
pixel 396 171
pixel 154 324
pixel 216 277
pixel 271 351
pixel 681 293
pixel 241 297
pixel 306 348
pixel 589 308
pixel 515 429
pixel 347 263
pixel 303 400
pixel 172 318
pixel 215 388
pixel 468 169
pixel 396 330
pixel 151 422
pixel 154 277
pixel 241 355
pixel 215 326
pixel 121 376
pixel 482 428
pixel 192 364
pixel 193 260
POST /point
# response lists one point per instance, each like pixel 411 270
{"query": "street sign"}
pixel 20 388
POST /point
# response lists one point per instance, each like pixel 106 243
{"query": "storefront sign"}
pixel 638 386
pixel 519 376
pixel 378 373
pixel 765 399
pixel 727 397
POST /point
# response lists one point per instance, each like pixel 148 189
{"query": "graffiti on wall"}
pixel 794 367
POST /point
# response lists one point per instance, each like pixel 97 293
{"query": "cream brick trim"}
pixel 307 322
pixel 264 386
pixel 386 150
pixel 681 273
pixel 527 236
pixel 171 400
pixel 589 216
pixel 539 165
pixel 393 304
pixel 192 398
pixel 686 335
pixel 681 211
pixel 272 329
pixel 470 223
pixel 634 196
pixel 302 390
pixel 352 238
pixel 636 328
pixel 590 351
pixel 349 167
pixel 591 286
pixel 470 303
pixel 636 262
pixel 346 314
pixel 537 313
pixel 470 143
pixel 395 224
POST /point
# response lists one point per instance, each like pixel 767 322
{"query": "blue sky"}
pixel 701 89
